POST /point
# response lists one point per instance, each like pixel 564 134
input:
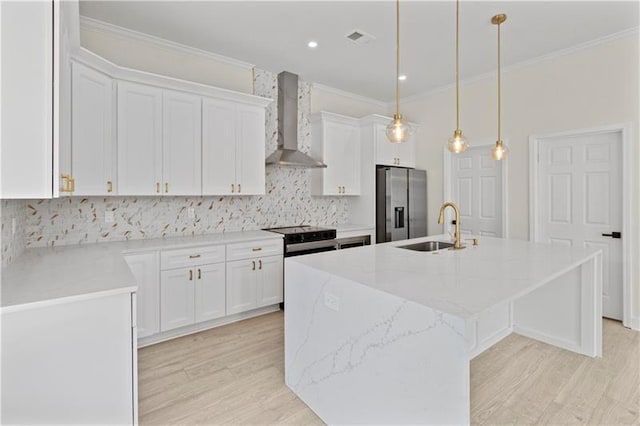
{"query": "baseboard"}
pixel 489 342
pixel 190 329
pixel 551 340
pixel 634 324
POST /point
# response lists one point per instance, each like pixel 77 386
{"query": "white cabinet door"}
pixel 250 150
pixel 139 139
pixel 385 150
pixel 406 152
pixel 176 298
pixel 92 134
pixel 241 285
pixel 26 34
pixel 144 267
pixel 182 144
pixel 218 147
pixel 210 291
pixel 270 280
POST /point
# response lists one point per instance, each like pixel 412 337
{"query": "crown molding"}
pixel 101 26
pixel 349 95
pixel 634 31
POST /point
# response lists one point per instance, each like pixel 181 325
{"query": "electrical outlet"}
pixel 14 225
pixel 191 213
pixel 108 216
pixel 332 301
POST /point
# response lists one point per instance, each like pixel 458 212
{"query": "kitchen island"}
pixel 382 334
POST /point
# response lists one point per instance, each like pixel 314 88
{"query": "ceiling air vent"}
pixel 360 37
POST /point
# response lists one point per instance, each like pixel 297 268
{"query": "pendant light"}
pixel 500 151
pixel 398 131
pixel 457 143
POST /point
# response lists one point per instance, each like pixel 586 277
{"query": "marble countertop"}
pixel 50 275
pixel 460 282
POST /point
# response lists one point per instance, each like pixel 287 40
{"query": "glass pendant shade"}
pixel 457 143
pixel 398 131
pixel 500 151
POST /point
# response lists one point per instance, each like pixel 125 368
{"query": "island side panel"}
pixel 357 355
pixel 567 311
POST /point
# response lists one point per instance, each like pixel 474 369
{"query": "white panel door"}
pixel 218 147
pixel 342 156
pixel 144 267
pixel 26 33
pixel 210 291
pixel 93 162
pixel 476 186
pixel 385 150
pixel 177 298
pixel 241 285
pixel 250 150
pixel 181 144
pixel 579 194
pixel 270 280
pixel 139 139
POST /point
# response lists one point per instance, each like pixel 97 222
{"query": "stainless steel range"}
pixel 299 240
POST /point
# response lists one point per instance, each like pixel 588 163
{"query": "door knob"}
pixel 613 235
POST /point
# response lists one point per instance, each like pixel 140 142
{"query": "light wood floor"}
pixel 234 374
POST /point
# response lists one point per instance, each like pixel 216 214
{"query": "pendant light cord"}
pixel 499 88
pixel 457 66
pixel 397 57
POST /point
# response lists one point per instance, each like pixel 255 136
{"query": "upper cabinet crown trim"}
pixel 324 115
pixel 98 63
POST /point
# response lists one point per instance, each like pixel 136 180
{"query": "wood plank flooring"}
pixel 234 374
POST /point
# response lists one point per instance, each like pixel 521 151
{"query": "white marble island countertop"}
pixel 464 282
pixel 51 275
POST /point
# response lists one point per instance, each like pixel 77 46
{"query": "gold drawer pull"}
pixel 166 187
pixel 158 187
pixel 256 249
pixel 260 263
pixel 199 274
pixel 233 188
pixel 109 186
pixel 239 188
pixel 194 256
pixel 190 274
pixel 254 265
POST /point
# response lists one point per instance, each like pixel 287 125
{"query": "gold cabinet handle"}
pixel 194 256
pixel 256 249
pixel 233 188
pixel 190 274
pixel 109 186
pixel 66 185
pixel 260 264
pixel 254 265
pixel 158 187
pixel 239 188
pixel 344 189
pixel 199 274
pixel 166 187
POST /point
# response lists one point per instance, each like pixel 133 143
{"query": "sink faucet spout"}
pixel 457 240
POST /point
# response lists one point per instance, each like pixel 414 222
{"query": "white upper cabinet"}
pixel 28 32
pixel 182 144
pixel 233 148
pixel 336 142
pixel 93 162
pixel 388 153
pixel 139 139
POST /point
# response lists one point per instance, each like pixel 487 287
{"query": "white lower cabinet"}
pixel 253 283
pixel 177 304
pixel 210 292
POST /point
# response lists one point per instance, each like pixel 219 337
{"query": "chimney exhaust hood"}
pixel 287 153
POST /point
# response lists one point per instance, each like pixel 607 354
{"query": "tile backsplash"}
pixel 74 220
pixel 13 239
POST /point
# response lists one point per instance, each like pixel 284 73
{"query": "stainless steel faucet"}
pixel 457 240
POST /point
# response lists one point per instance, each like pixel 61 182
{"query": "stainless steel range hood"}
pixel 287 153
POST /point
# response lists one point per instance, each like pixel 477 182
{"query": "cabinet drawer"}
pixel 254 249
pixel 171 259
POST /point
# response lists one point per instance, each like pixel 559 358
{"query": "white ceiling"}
pixel 274 35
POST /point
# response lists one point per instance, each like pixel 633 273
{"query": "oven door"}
pixel 311 247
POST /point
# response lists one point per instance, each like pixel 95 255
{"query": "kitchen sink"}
pixel 427 246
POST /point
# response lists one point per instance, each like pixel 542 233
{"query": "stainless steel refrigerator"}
pixel 401 203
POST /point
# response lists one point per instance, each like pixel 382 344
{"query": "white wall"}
pixel 588 88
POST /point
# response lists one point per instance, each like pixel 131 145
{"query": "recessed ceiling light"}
pixel 312 44
pixel 402 77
